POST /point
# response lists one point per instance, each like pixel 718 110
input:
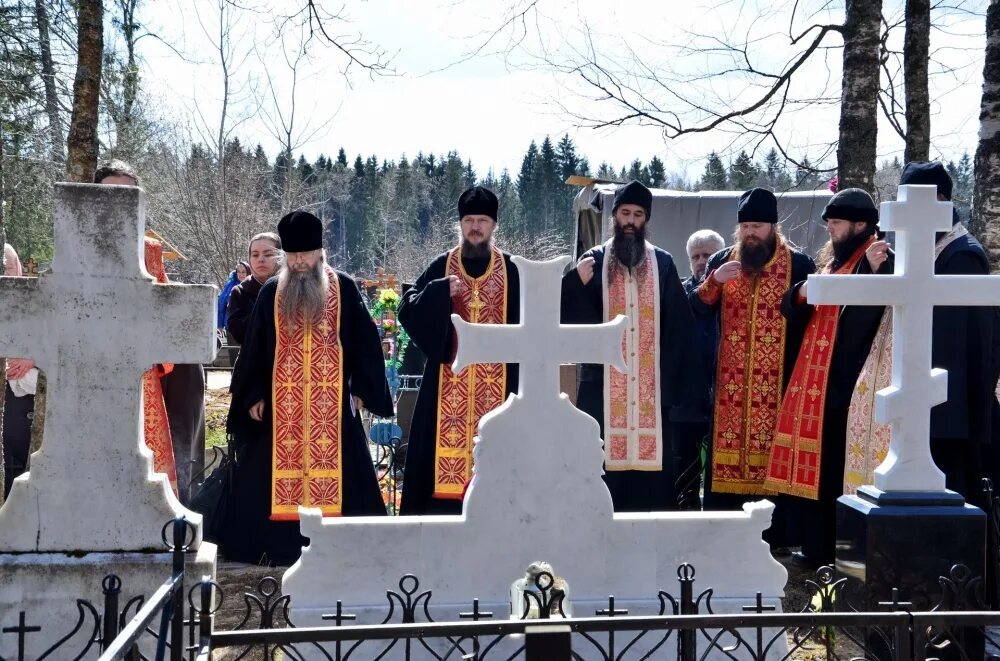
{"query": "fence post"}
pixel 177 598
pixel 548 642
pixel 112 587
pixel 687 645
pixel 205 618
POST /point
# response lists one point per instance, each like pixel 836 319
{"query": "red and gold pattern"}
pixel 307 405
pixel 798 440
pixel 750 373
pixel 465 397
pixel 632 426
pixel 155 425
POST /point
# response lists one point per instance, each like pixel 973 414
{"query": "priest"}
pixel 639 412
pixel 807 455
pixel 478 282
pixel 311 360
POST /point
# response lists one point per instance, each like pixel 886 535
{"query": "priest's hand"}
pixel 877 253
pixel 18 367
pixel 358 403
pixel 585 269
pixel 454 286
pixel 727 272
pixel 257 411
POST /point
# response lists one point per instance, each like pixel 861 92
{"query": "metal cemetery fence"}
pixel 686 627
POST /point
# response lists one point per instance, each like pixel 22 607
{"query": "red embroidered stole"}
pixel 798 441
pixel 750 375
pixel 632 427
pixel 465 397
pixel 155 425
pixel 307 399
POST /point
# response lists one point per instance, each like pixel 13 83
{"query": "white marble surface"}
pixel 536 494
pixel 94 324
pixel 913 290
pixel 46 586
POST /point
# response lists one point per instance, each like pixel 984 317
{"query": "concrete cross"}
pixel 93 325
pixel 539 343
pixel 913 291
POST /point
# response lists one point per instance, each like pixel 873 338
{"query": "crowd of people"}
pixel 738 387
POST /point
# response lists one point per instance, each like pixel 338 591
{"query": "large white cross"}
pixel 913 291
pixel 539 343
pixel 93 325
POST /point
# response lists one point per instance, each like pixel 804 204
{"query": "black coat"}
pixel 249 534
pixel 240 307
pixel 683 383
pixel 425 314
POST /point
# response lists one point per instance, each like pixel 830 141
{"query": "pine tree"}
pixel 550 186
pixel 527 187
pixel 656 174
pixel 606 172
pixel 342 158
pixel 774 174
pixel 743 172
pixel 569 162
pixel 635 172
pixel 806 178
pixel 714 177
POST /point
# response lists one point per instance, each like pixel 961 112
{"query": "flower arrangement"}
pixel 384 313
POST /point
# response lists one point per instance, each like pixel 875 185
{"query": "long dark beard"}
pixel 629 249
pixel 476 251
pixel 754 257
pixel 305 291
pixel 841 251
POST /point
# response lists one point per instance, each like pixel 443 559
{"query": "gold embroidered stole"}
pixel 464 398
pixel 750 375
pixel 868 440
pixel 307 400
pixel 632 427
pixel 797 450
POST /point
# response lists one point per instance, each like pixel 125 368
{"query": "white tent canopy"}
pixel 678 214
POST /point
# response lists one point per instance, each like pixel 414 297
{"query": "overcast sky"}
pixel 489 107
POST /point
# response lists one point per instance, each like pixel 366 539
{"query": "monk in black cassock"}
pixel 639 412
pixel 964 343
pixel 310 361
pixel 478 282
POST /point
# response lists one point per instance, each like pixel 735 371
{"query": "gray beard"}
pixel 304 291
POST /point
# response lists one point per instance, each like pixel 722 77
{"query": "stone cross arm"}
pixel 539 343
pixel 942 290
pixel 23 318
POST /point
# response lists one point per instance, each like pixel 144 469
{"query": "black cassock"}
pixel 962 428
pixel 425 313
pixel 249 535
pixel 683 385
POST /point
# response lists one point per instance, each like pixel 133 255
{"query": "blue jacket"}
pixel 223 301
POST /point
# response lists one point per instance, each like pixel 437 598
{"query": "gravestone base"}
pixel 907 540
pixel 47 587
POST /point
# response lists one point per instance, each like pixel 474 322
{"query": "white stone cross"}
pixel 93 325
pixel 913 291
pixel 523 343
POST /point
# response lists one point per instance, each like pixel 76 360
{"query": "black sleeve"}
pixel 425 313
pixel 683 382
pixel 252 372
pixel 582 303
pixel 363 351
pixel 237 314
pixel 802 267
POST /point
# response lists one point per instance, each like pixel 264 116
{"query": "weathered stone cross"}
pixel 912 291
pixel 539 343
pixel 93 325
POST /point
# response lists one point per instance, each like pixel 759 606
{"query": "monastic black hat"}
pixel 852 204
pixel 931 173
pixel 758 205
pixel 300 231
pixel 634 193
pixel 478 201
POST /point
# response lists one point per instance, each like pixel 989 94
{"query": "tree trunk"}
pixel 57 145
pixel 859 96
pixel 82 160
pixel 916 48
pixel 986 193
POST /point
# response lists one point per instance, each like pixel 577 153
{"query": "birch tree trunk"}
pixel 916 49
pixel 859 95
pixel 82 159
pixel 986 188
